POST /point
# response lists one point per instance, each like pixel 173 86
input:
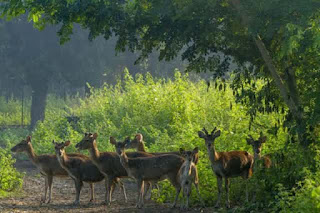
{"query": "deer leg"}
pixel 227 192
pixel 219 182
pixel 109 186
pixel 177 185
pixel 147 186
pixel 140 184
pixel 182 199
pixel 50 178
pixel 92 192
pixel 43 199
pixel 123 189
pixel 158 188
pixel 78 185
pixel 188 196
pixel 198 192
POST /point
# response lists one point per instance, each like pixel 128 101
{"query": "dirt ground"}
pixel 64 193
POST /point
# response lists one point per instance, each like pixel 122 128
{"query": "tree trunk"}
pixel 38 104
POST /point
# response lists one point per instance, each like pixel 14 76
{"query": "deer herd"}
pixel 180 167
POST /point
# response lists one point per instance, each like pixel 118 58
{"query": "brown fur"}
pixel 47 164
pixel 138 144
pixel 80 169
pixel 153 168
pixel 257 148
pixel 227 164
pixel 108 163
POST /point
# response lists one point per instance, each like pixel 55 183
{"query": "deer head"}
pixel 120 146
pixel 209 138
pixel 23 146
pixel 189 155
pixel 256 144
pixel 59 147
pixel 87 141
pixel 134 144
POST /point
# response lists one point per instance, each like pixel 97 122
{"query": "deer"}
pixel 257 147
pixel 80 169
pixel 188 175
pixel 138 144
pixel 227 164
pixel 48 165
pixel 108 163
pixel 154 168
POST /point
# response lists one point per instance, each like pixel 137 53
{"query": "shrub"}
pixel 10 178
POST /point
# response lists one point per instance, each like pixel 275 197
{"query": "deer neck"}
pixel 32 155
pixel 257 156
pixel 187 168
pixel 141 147
pixel 94 152
pixel 63 160
pixel 213 155
pixel 124 160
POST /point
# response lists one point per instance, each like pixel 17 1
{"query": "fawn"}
pixel 257 147
pixel 153 168
pixel 79 169
pixel 108 163
pixel 187 175
pixel 48 166
pixel 227 164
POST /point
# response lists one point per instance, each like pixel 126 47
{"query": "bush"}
pixel 10 179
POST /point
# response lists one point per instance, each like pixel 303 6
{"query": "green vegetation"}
pixel 10 179
pixel 169 113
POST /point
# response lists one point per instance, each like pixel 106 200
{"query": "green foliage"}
pixel 169 113
pixel 10 179
pixel 10 112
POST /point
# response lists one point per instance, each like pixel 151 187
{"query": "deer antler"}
pixel 205 131
pixel 213 130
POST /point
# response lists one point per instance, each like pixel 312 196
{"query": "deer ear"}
pixel 127 140
pixel 263 139
pixel 67 143
pixel 113 141
pixel 201 134
pixel 195 150
pixel 95 135
pixel 249 141
pixel 139 137
pixel 181 150
pixel 29 138
pixel 217 134
pixel 86 134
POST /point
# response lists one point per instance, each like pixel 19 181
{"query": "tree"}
pixel 274 40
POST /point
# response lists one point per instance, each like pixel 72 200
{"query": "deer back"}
pixel 155 167
pixel 233 164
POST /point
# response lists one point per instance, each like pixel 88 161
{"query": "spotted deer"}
pixel 188 175
pixel 48 165
pixel 79 169
pixel 138 144
pixel 108 163
pixel 257 147
pixel 154 168
pixel 227 164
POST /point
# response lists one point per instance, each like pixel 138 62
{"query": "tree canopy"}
pixel 275 40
